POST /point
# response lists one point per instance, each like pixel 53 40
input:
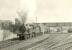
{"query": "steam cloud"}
pixel 27 9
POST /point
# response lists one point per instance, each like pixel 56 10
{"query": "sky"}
pixel 46 10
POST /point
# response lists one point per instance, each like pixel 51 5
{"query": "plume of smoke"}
pixel 27 9
pixel 23 16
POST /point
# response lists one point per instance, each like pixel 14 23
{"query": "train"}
pixel 26 31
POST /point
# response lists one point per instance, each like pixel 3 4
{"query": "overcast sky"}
pixel 47 10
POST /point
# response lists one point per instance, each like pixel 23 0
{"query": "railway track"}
pixel 65 46
pixel 62 42
pixel 7 43
pixel 16 44
pixel 53 42
pixel 42 43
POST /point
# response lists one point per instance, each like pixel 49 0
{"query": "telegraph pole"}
pixel 36 19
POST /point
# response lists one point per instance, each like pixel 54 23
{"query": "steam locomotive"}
pixel 24 32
